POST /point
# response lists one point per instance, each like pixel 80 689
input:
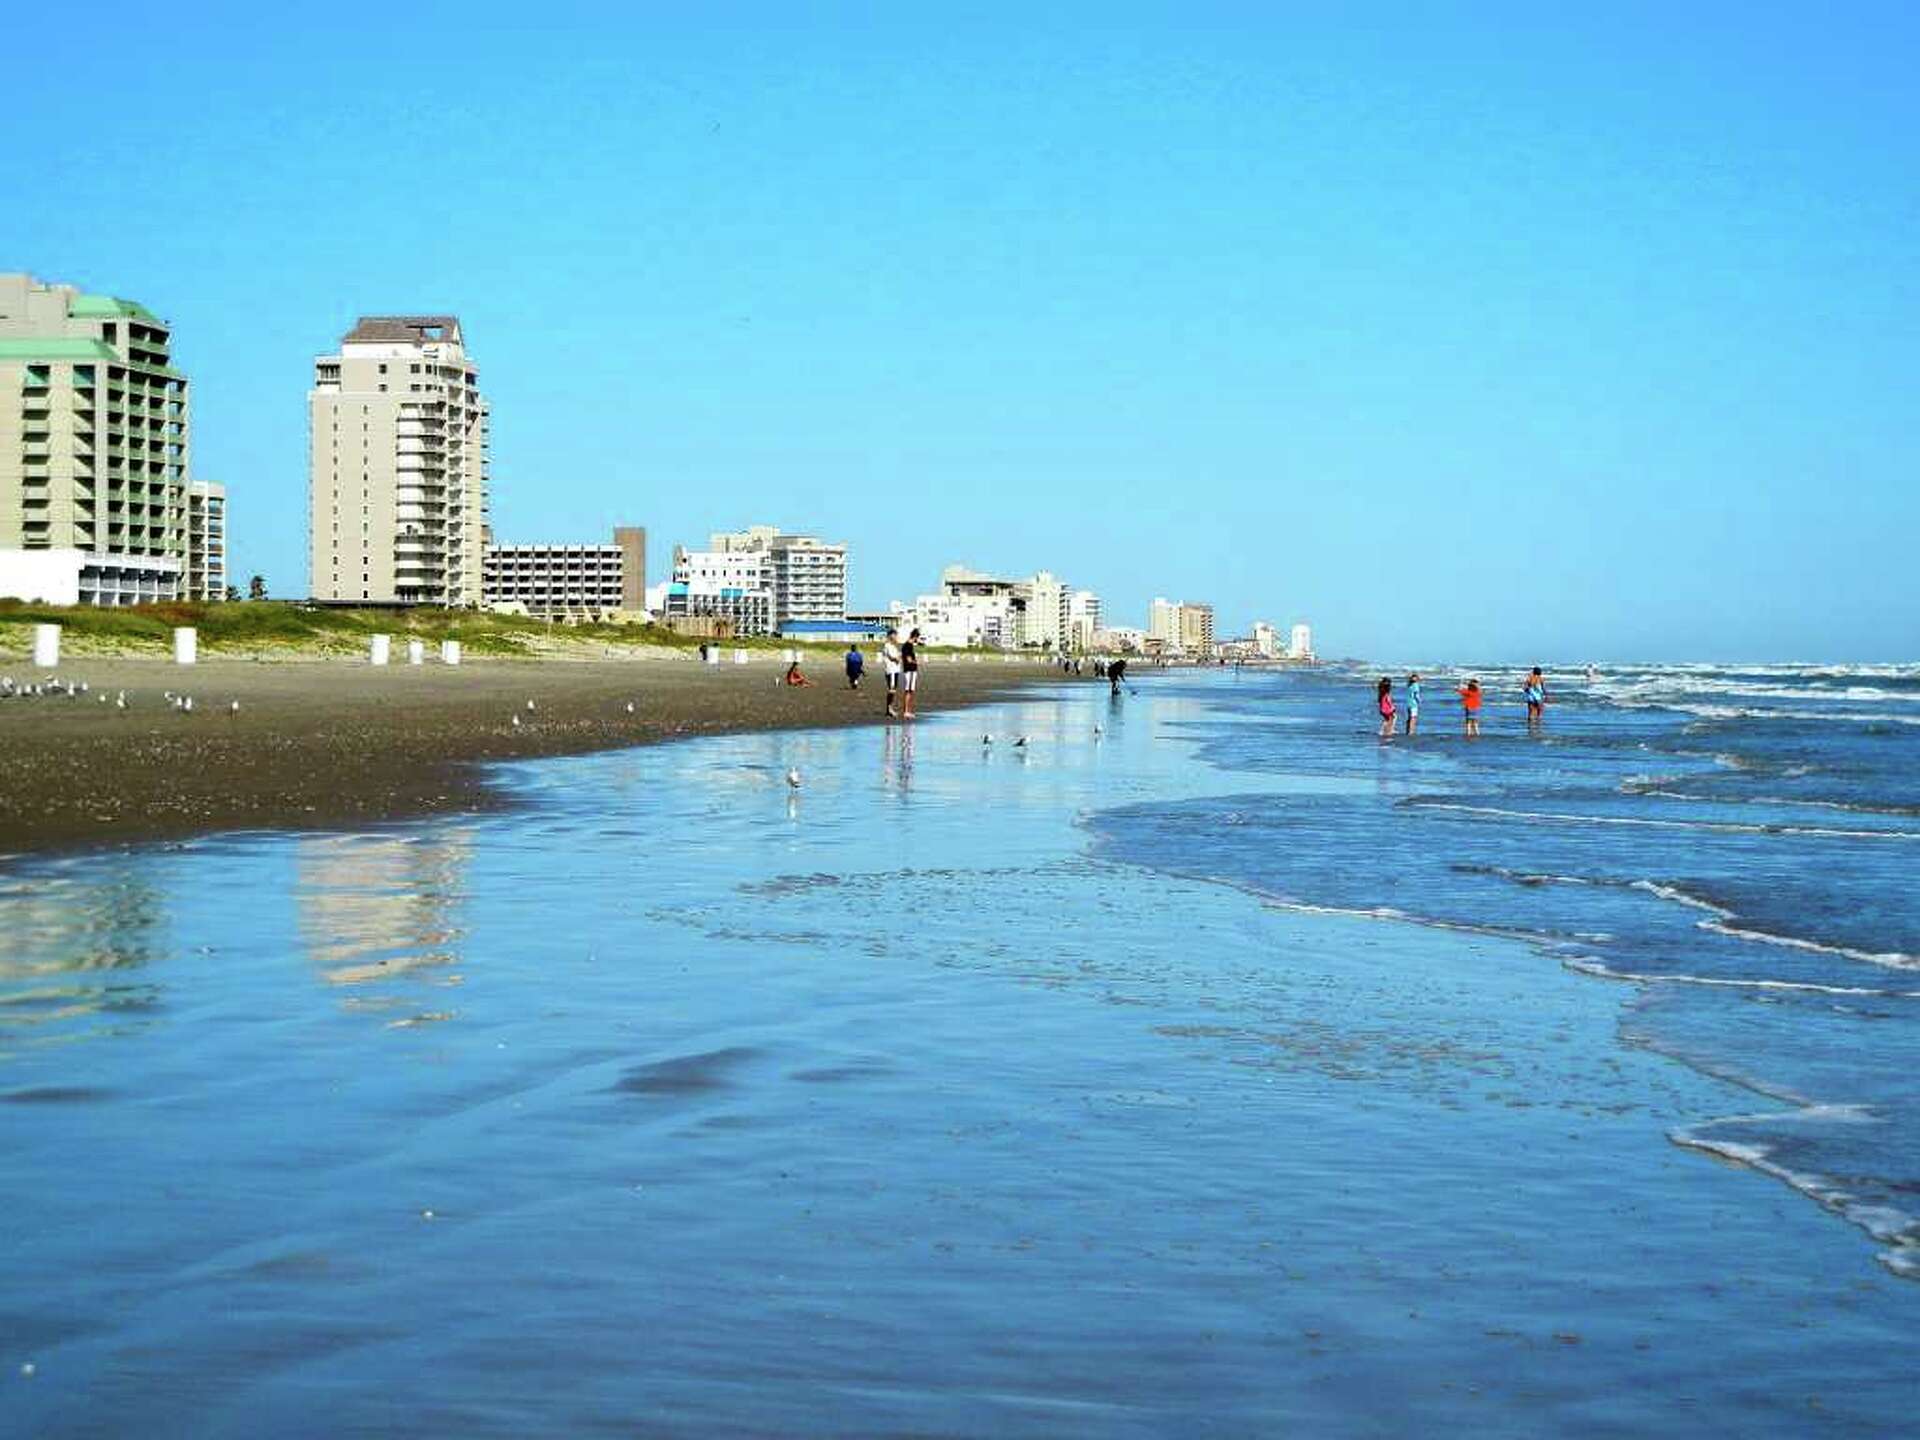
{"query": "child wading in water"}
pixel 1413 702
pixel 1386 708
pixel 1470 707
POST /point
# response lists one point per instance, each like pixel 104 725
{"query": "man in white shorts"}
pixel 909 672
pixel 890 662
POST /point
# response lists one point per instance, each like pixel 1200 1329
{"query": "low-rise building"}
pixel 731 585
pixel 570 581
pixel 206 569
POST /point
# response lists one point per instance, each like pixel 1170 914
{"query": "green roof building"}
pixel 93 449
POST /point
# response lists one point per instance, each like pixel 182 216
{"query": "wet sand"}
pixel 339 743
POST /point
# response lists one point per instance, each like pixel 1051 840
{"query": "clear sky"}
pixel 1476 331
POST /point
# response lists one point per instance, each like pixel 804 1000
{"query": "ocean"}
pixel 1201 1066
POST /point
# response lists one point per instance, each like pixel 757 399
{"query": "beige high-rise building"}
pixel 1196 629
pixel 397 446
pixel 93 448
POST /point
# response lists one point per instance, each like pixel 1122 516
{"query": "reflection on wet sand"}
pixel 66 942
pixel 375 908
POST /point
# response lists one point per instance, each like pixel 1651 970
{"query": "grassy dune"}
pixel 287 630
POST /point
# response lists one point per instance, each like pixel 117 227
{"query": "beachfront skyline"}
pixel 1471 335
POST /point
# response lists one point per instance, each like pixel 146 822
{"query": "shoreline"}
pixel 318 744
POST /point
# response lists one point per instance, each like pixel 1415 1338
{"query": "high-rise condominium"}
pixel 93 448
pixel 397 450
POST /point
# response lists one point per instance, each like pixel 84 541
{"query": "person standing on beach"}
pixel 1413 702
pixel 909 673
pixel 1116 672
pixel 890 662
pixel 1536 695
pixel 856 666
pixel 1386 708
pixel 1470 707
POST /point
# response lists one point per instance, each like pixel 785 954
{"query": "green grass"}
pixel 252 626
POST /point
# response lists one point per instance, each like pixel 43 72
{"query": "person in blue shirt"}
pixel 1413 702
pixel 856 666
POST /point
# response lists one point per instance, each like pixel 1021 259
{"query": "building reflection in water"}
pixel 74 952
pixel 375 909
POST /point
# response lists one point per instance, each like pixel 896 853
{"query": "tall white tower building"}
pixel 397 448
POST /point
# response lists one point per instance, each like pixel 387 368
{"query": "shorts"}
pixel 893 678
pixel 910 680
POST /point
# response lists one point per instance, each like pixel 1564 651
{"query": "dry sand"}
pixel 333 743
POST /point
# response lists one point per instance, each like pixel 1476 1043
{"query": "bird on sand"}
pixel 793 779
pixel 1021 743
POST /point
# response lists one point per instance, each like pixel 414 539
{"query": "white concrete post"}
pixel 449 652
pixel 713 655
pixel 186 645
pixel 739 657
pixel 46 646
pixel 416 652
pixel 377 652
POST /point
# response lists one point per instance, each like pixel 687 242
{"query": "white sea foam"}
pixel 1738 827
pixel 1887 1224
pixel 1600 970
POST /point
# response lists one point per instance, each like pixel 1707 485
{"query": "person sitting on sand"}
pixel 856 666
pixel 794 677
pixel 1469 694
pixel 1386 708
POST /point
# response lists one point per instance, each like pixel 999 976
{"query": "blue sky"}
pixel 1476 331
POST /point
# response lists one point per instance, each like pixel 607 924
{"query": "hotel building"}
pixel 570 582
pixel 397 447
pixel 806 577
pixel 93 449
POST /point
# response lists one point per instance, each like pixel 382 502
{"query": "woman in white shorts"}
pixel 890 662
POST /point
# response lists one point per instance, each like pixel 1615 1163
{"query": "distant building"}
pixel 93 449
pixel 1180 627
pixel 1196 629
pixel 206 568
pixel 1265 641
pixel 968 620
pixel 1300 646
pixel 397 466
pixel 735 586
pixel 1163 622
pixel 1083 619
pixel 1120 639
pixel 806 576
pixel 570 582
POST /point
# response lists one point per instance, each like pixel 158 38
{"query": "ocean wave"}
pixel 1600 970
pixel 1887 1224
pixel 1736 827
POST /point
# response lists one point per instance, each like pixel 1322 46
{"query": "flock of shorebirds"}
pixel 55 688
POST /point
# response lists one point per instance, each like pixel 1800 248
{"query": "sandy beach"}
pixel 330 743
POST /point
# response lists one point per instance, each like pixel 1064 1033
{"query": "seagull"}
pixel 187 704
pixel 169 696
pixel 233 707
pixel 1021 743
pixel 793 779
pixel 629 707
pixel 529 705
pixel 1098 731
pixel 120 701
pixel 103 698
pixel 986 739
pixel 516 722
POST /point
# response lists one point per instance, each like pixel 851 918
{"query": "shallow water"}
pixel 970 1090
